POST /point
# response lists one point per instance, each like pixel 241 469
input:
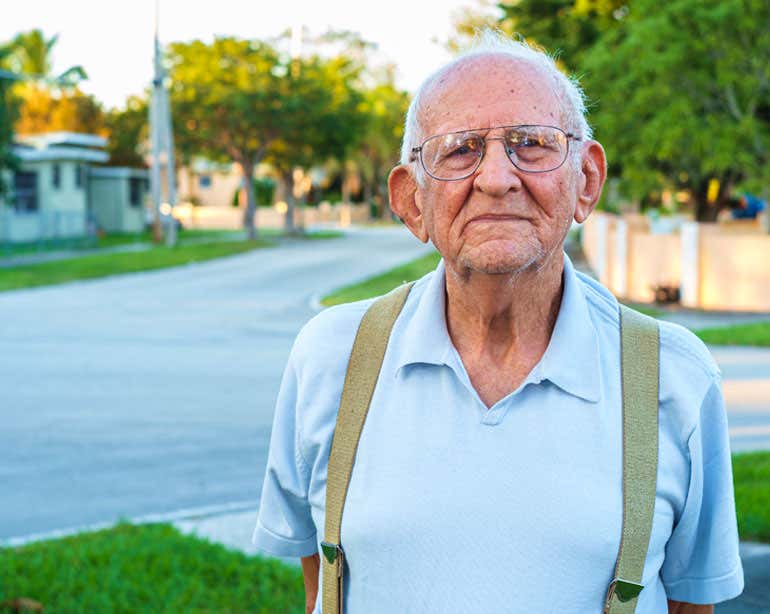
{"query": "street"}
pixel 152 392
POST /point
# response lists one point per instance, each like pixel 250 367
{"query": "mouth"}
pixel 495 218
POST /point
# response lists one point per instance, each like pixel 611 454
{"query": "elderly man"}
pixel 489 474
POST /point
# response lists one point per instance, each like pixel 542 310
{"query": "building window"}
pixel 80 173
pixel 56 176
pixel 25 191
pixel 204 181
pixel 137 187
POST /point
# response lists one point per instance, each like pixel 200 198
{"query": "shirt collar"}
pixel 571 360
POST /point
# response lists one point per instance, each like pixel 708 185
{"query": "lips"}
pixel 496 218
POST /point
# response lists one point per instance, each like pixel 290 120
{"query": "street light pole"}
pixel 162 143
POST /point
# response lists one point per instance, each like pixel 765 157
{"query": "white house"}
pixel 59 192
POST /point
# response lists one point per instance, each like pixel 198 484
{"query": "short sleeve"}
pixel 702 563
pixel 285 526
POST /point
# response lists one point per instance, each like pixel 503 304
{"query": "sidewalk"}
pixel 234 531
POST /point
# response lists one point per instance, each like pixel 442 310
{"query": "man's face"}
pixel 500 219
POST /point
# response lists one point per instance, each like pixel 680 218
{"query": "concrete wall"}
pixel 22 227
pixel 68 196
pixel 61 212
pixel 110 199
pixel 653 260
pixel 720 267
pixel 734 271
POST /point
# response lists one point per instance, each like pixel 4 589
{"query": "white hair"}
pixel 492 42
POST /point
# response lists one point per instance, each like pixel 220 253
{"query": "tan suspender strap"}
pixel 361 378
pixel 640 367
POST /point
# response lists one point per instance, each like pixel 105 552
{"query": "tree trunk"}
pixel 288 224
pixel 369 197
pixel 247 184
pixel 382 200
pixel 705 211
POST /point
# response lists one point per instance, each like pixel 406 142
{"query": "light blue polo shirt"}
pixel 454 507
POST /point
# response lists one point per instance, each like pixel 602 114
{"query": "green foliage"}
pixel 751 476
pixel 682 93
pixel 9 111
pixel 566 27
pixel 150 568
pixel 679 91
pixel 264 190
pixel 757 334
pixel 31 53
pixel 242 101
pixel 320 112
pixel 127 128
pixel 384 107
pixel 226 98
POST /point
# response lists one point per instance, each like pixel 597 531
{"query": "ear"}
pixel 593 172
pixel 405 201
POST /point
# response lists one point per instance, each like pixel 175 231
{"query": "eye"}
pixel 529 141
pixel 463 147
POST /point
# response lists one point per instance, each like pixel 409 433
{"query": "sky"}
pixel 112 40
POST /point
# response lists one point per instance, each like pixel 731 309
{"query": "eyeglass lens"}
pixel 530 148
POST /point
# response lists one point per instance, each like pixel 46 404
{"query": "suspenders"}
pixel 640 375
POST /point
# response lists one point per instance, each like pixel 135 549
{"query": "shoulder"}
pixel 679 347
pixel 687 369
pixel 327 339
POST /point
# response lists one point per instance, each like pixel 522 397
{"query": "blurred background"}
pixel 184 185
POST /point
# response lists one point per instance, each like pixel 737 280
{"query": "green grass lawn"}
pixel 156 569
pixel 101 265
pixel 381 284
pixel 751 476
pixel 757 334
pixel 186 236
pixel 149 568
pixel 193 246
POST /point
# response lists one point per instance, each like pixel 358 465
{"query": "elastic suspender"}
pixel 361 378
pixel 640 367
pixel 640 374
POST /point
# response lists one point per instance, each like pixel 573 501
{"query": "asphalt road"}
pixel 151 392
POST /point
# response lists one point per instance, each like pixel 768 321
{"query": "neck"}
pixel 504 319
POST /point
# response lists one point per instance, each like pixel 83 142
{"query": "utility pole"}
pixel 162 169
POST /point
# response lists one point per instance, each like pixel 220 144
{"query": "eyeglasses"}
pixel 457 155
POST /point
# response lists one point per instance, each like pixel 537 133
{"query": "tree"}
pixel 8 114
pixel 127 129
pixel 384 107
pixel 31 54
pixel 565 27
pixel 45 110
pixel 242 101
pixel 226 100
pixel 321 118
pixel 682 93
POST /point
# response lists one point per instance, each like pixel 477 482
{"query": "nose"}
pixel 496 174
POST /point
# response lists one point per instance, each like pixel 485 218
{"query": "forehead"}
pixel 490 90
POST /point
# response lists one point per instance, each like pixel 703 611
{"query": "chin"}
pixel 497 263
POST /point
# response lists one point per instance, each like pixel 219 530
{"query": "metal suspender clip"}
pixel 331 551
pixel 624 589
